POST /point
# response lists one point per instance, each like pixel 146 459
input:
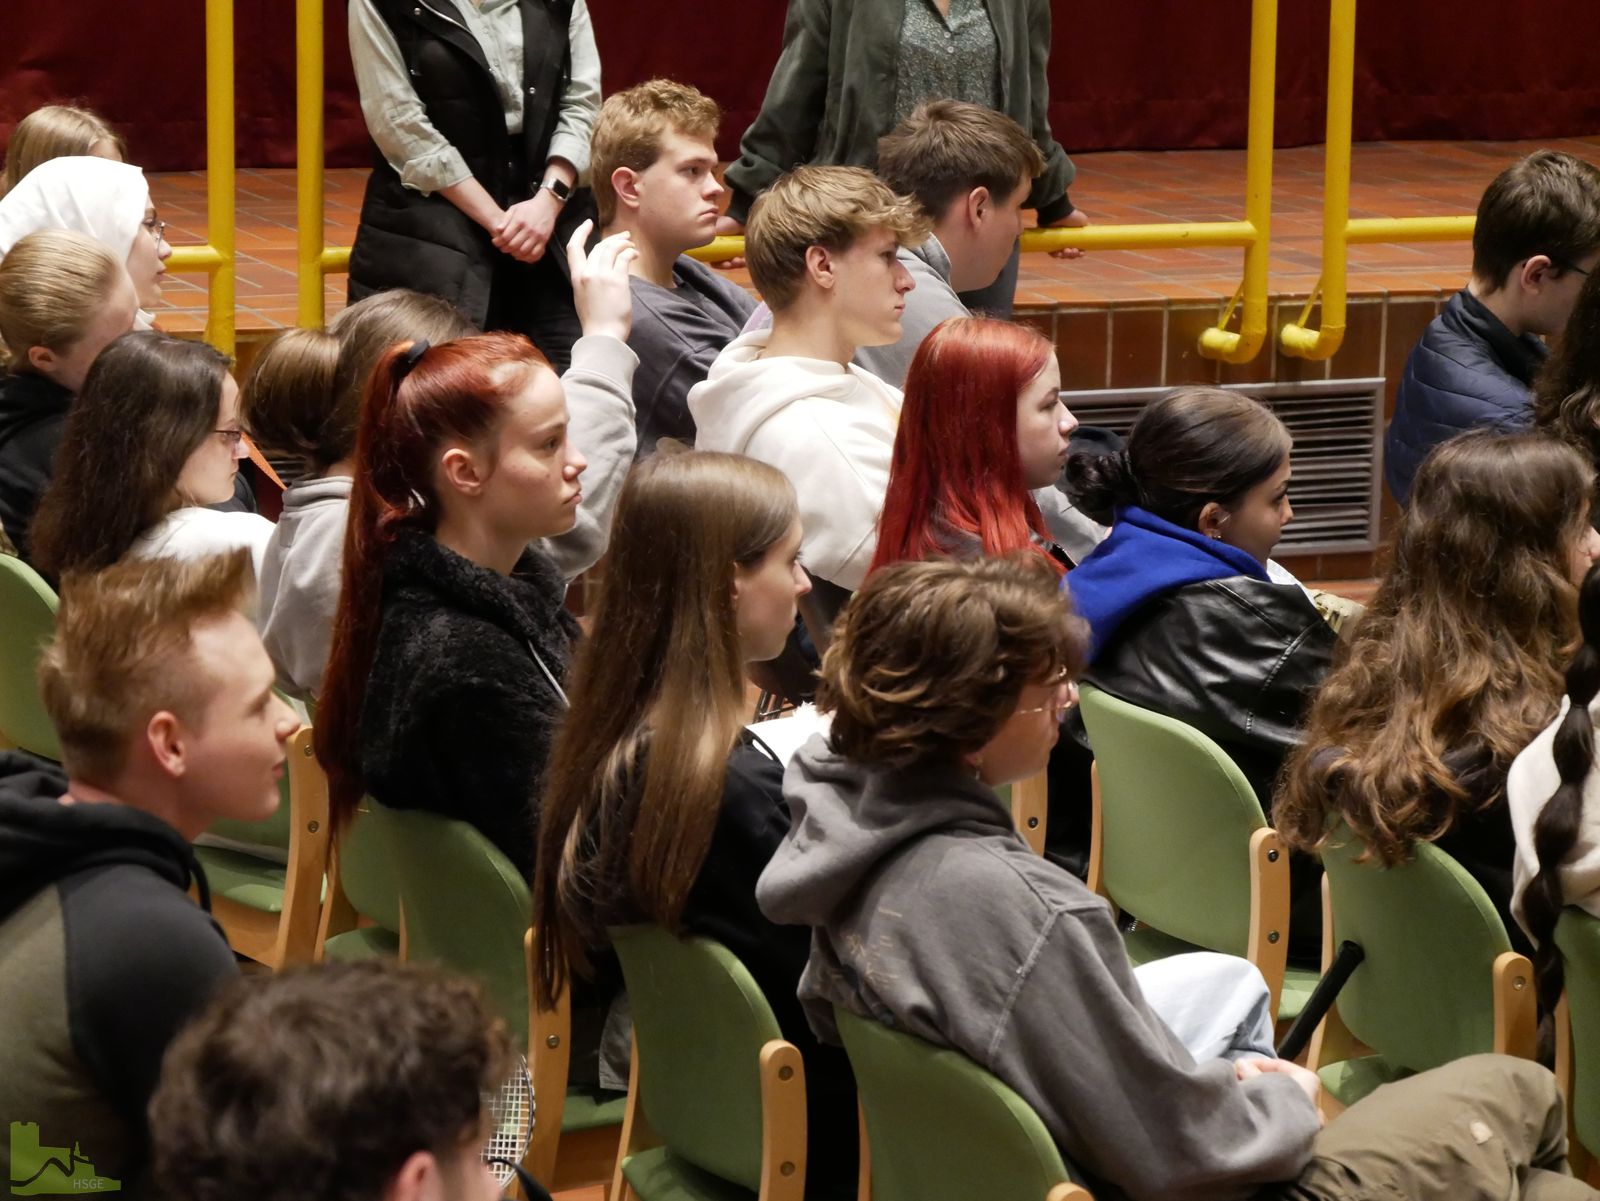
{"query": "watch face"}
pixel 560 188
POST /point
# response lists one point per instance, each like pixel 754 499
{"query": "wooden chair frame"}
pixel 1030 809
pixel 1516 1011
pixel 292 934
pixel 783 1126
pixel 1267 943
pixel 558 1160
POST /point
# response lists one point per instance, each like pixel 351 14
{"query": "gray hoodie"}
pixel 930 913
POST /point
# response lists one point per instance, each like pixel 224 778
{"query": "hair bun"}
pixel 1098 484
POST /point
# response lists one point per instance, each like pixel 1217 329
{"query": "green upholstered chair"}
pixel 464 906
pixel 1578 1055
pixel 361 918
pixel 267 878
pixel 1438 979
pixel 27 621
pixel 717 1100
pixel 940 1128
pixel 1179 840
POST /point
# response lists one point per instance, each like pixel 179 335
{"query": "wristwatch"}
pixel 557 187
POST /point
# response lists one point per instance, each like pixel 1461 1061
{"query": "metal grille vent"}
pixel 1337 426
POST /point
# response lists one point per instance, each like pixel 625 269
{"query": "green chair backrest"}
pixel 699 1021
pixel 939 1127
pixel 368 874
pixel 27 621
pixel 1176 817
pixel 1424 993
pixel 1578 936
pixel 465 906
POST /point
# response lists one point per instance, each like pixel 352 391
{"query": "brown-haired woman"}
pixel 929 913
pixel 151 442
pixel 659 805
pixel 1566 393
pixel 58 131
pixel 1456 664
pixel 63 298
pixel 302 399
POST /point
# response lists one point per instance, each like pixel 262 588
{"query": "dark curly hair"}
pixel 322 1081
pixel 930 658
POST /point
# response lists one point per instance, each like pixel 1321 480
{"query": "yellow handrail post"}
pixel 1339 232
pixel 1297 338
pixel 309 159
pixel 220 318
pixel 1251 300
pixel 216 256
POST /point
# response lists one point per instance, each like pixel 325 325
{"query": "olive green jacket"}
pixel 833 89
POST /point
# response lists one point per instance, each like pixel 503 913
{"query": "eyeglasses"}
pixel 231 437
pixel 1058 706
pixel 157 228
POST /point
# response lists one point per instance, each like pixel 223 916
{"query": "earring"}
pixel 1215 537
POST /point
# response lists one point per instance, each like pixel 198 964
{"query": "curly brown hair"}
pixel 1457 662
pixel 930 658
pixel 322 1081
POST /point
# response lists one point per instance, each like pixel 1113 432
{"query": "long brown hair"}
pixel 660 679
pixel 1566 396
pixel 147 403
pixel 1459 653
pixel 303 394
pixel 418 399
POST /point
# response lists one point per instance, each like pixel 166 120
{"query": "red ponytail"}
pixel 413 405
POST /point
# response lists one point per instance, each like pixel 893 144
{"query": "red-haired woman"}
pixel 443 688
pixel 982 427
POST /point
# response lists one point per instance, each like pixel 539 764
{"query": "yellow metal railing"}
pixel 215 258
pixel 317 259
pixel 1339 232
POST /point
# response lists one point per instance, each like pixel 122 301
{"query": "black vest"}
pixel 407 240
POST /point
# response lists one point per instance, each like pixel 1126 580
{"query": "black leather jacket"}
pixel 1237 658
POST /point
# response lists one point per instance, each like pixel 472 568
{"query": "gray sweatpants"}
pixel 1484 1128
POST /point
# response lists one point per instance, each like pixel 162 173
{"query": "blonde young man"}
pixel 161 695
pixel 823 246
pixel 654 172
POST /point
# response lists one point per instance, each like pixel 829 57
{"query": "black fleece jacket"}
pixel 458 718
pixel 33 415
pixel 103 958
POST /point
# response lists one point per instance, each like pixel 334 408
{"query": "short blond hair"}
pixel 820 206
pixel 52 284
pixel 121 652
pixel 630 128
pixel 55 131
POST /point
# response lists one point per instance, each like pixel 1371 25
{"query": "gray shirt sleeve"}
pixel 1120 1093
pixel 599 388
pixel 580 100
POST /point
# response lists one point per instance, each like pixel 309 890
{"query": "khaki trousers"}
pixel 1487 1127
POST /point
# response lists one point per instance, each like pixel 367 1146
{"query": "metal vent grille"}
pixel 1336 425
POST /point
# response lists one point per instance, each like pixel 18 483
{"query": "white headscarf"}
pixel 95 196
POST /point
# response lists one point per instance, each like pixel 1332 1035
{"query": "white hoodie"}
pixel 829 428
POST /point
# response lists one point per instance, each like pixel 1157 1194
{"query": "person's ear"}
pixel 460 469
pixel 42 359
pixel 1535 271
pixel 165 736
pixel 416 1180
pixel 979 206
pixel 820 267
pixel 1212 518
pixel 625 183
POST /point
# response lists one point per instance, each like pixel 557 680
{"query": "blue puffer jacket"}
pixel 1468 371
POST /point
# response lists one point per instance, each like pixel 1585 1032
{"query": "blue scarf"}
pixel 1144 558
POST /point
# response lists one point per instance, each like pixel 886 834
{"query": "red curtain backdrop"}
pixel 1137 74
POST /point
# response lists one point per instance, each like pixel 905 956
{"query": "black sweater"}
pixel 33 415
pixel 458 718
pixel 103 958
